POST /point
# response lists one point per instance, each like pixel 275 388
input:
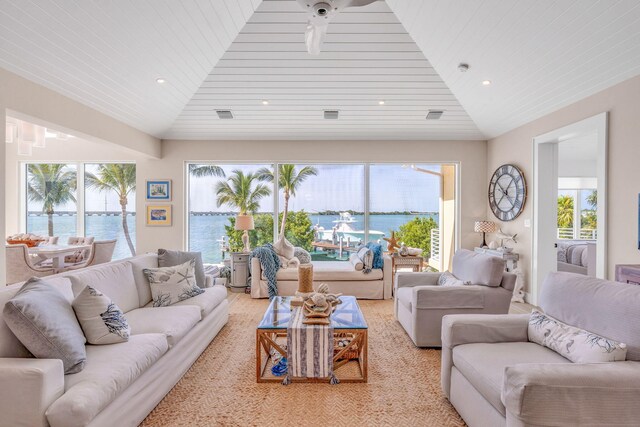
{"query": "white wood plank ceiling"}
pixel 539 55
pixel 233 54
pixel 368 57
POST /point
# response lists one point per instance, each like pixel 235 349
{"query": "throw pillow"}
pixel 167 258
pixel 575 344
pixel 303 256
pixel 42 319
pixel 170 285
pixel 376 248
pixel 284 248
pixel 101 320
pixel 448 279
pixel 366 256
pixel 356 261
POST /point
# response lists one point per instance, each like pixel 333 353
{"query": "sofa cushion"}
pixel 357 263
pixel 170 285
pixel 109 370
pixel 405 296
pixel 477 269
pixel 448 279
pixel 101 319
pixel 174 322
pixel 330 271
pixel 606 308
pixel 114 279
pixel 167 258
pixel 207 301
pixel 10 346
pixel 483 364
pixel 42 319
pixel 138 264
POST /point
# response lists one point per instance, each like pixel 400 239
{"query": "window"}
pixel 108 197
pixel 110 205
pixel 51 199
pixel 577 214
pixel 216 194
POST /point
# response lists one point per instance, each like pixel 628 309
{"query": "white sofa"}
pixel 341 276
pixel 120 383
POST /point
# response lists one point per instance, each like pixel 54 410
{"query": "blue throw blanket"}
pixel 270 264
pixel 376 248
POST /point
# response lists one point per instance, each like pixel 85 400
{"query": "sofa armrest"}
pixel 458 329
pixel 208 281
pixel 387 277
pixel 448 297
pixel 573 394
pixel 256 274
pixel 29 387
pixel 406 279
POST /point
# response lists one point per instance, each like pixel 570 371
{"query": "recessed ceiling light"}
pixel 265 102
pixel 381 102
pixel 486 83
pixel 161 80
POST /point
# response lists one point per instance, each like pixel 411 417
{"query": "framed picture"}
pixel 159 189
pixel 159 215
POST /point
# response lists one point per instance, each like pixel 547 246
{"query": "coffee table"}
pixel 349 364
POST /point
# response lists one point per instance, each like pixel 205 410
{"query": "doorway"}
pixel 570 170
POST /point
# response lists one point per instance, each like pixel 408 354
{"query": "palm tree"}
pixel 239 192
pixel 592 199
pixel 53 185
pixel 205 170
pixel 289 179
pixel 121 179
pixel 565 212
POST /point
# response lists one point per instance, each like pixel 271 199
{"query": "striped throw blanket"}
pixel 309 349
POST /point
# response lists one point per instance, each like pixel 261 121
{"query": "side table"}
pixel 414 262
pixel 239 271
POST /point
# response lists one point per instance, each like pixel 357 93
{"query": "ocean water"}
pixel 204 233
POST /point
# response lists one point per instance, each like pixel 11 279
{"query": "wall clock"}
pixel 507 192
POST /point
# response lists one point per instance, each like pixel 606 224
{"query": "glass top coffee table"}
pixel 350 341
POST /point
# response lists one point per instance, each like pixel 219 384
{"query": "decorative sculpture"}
pixel 392 242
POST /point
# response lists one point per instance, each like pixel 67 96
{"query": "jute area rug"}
pixel 220 389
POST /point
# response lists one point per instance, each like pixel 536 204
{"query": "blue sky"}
pixel 341 187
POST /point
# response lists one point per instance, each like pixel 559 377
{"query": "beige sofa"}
pixel 494 376
pixel 420 303
pixel 120 383
pixel 341 276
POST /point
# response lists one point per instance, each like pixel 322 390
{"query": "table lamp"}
pixel 245 223
pixel 484 227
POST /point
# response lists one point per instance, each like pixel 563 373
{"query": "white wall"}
pixel 623 179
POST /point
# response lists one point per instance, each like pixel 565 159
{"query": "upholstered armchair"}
pixel 101 252
pixel 420 302
pixel 494 376
pixel 20 267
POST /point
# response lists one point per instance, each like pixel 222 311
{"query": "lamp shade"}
pixel 244 222
pixel 484 227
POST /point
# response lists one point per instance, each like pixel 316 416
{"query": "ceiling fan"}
pixel 321 12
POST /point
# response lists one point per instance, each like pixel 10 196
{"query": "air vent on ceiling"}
pixel 434 114
pixel 331 114
pixel 224 114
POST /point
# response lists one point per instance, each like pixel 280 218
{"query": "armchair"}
pixel 420 303
pixel 494 376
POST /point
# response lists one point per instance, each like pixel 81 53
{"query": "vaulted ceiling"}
pixel 235 54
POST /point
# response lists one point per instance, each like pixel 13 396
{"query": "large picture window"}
pixel 105 211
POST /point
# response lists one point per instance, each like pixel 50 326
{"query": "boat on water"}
pixel 345 231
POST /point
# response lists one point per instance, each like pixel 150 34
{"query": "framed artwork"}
pixel 159 189
pixel 159 215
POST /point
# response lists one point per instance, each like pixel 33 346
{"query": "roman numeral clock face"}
pixel 507 192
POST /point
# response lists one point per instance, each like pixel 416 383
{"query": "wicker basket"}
pixel 350 354
pixel 29 243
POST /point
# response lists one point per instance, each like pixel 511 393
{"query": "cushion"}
pixel 575 344
pixel 167 258
pixel 483 364
pixel 172 284
pixel 303 256
pixel 330 271
pixel 42 319
pixel 207 301
pixel 366 256
pixel 478 269
pixel 114 279
pixel 376 249
pixel 109 370
pixel 355 260
pixel 576 254
pixel 101 320
pixel 174 322
pixel 448 279
pixel 606 308
pixel 283 248
pixel 138 264
pixel 405 297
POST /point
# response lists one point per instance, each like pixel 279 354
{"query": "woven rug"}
pixel 221 389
